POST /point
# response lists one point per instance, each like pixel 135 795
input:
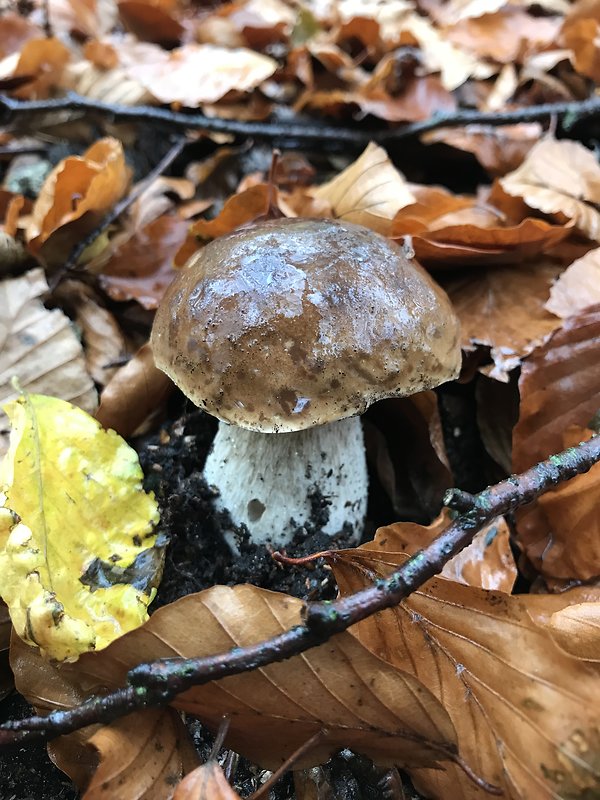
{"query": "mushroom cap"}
pixel 299 322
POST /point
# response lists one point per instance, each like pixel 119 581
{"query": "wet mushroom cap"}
pixel 298 322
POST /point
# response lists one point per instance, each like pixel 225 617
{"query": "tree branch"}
pixel 158 682
pixel 302 130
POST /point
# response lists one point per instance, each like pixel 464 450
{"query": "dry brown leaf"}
pixel 507 36
pixel 577 629
pixel 15 30
pixel 136 393
pixel 41 59
pixel 108 86
pixel 104 343
pixel 580 35
pixel 141 757
pixel 142 267
pixel 200 73
pixel 503 308
pixel 75 196
pixel 39 347
pixel 499 150
pixel 405 446
pixel 560 178
pixel 559 386
pixel 578 287
pixel 362 702
pixel 369 192
pixel 206 782
pixel 497 414
pixel 486 563
pixel 151 23
pixel 86 17
pixel 526 715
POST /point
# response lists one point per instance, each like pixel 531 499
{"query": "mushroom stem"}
pixel 269 482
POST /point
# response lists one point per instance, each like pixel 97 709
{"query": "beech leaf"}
pixel 577 287
pixel 39 347
pixel 78 556
pixel 527 717
pixel 362 702
pixel 206 782
pixel 369 192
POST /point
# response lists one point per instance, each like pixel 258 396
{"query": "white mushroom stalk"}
pixel 287 330
pixel 269 482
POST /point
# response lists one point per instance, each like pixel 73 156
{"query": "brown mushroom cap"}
pixel 298 322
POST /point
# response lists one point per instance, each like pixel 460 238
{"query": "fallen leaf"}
pixel 560 178
pixel 136 393
pixel 580 35
pixel 141 268
pixel 487 563
pixel 577 629
pixel 405 445
pixel 559 386
pixel 200 73
pixel 41 59
pixel 577 288
pixel 240 209
pixel 362 702
pixel 39 347
pixel 503 308
pixel 108 86
pixel 369 192
pixel 497 414
pixel 507 36
pixel 15 30
pixel 206 782
pixel 78 559
pixel 6 676
pixel 526 716
pixel 151 23
pixel 498 150
pixel 142 757
pixel 75 196
pixel 104 342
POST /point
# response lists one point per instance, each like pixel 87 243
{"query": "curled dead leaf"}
pixel 134 396
pixel 560 178
pixel 75 196
pixel 503 308
pixel 369 192
pixel 578 287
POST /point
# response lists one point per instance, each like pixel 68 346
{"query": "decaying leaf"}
pixel 578 287
pixel 361 701
pixel 560 178
pixel 577 629
pixel 41 61
pixel 78 192
pixel 504 309
pixel 39 347
pixel 78 556
pixel 141 757
pixel 526 715
pixel 369 192
pixel 206 782
pixel 487 563
pixel 136 394
pixel 200 73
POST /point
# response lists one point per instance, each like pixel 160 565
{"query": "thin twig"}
pixel 303 130
pixel 159 682
pixel 458 500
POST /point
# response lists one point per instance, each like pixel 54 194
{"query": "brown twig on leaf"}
pixel 334 136
pixel 158 682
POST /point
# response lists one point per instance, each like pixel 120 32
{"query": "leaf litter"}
pixel 507 221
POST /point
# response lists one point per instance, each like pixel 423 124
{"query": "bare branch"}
pixel 302 130
pixel 157 683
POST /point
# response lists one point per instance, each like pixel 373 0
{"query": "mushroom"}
pixel 287 331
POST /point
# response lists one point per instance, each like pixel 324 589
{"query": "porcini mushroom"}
pixel 287 331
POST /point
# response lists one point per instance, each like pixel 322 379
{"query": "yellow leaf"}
pixel 78 555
